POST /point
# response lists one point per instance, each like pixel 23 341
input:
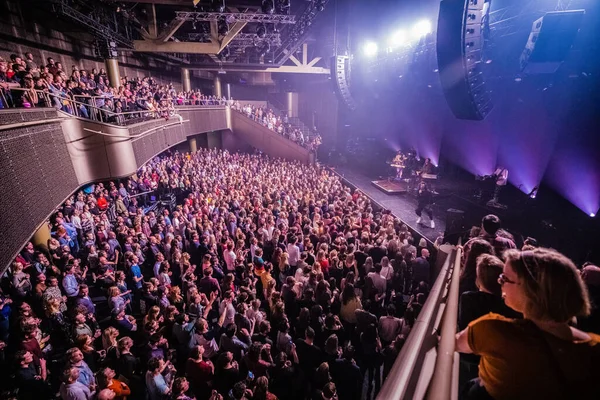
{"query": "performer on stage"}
pixel 425 199
pixel 428 167
pixel 501 176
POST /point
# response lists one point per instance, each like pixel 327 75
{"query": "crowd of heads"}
pixel 526 304
pixel 278 123
pixel 267 279
pixel 25 83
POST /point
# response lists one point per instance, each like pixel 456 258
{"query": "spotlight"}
pixel 268 7
pixel 533 193
pixel 218 6
pixel 370 49
pixel 592 215
pixel 261 31
pixel 223 28
pixel 265 49
pixel 224 54
pixel 320 5
pixel 398 39
pixel 421 28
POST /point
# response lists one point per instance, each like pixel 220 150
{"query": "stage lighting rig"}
pixel 283 7
pixel 266 47
pixel 370 49
pixel 218 6
pixel 399 38
pixel 261 31
pixel 223 27
pixel 268 6
pixel 422 28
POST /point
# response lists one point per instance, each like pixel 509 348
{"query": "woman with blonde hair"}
pixel 59 328
pixel 116 299
pixel 176 299
pixel 110 346
pixel 541 356
pixel 153 315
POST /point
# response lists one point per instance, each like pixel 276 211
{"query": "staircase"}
pixel 294 121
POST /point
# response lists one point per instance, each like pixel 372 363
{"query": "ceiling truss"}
pixel 235 17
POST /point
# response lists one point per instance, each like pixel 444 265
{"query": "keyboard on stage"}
pixel 397 165
pixel 429 176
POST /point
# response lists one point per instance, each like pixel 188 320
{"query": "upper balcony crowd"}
pixel 25 83
pixel 88 94
pixel 279 123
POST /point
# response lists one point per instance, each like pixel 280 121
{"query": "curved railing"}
pixel 427 366
pixel 89 107
pixel 48 154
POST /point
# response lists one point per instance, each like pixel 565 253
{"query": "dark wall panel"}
pixel 36 176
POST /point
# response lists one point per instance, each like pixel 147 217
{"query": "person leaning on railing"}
pixel 541 356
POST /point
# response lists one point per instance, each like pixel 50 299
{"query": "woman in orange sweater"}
pixel 108 381
pixel 541 356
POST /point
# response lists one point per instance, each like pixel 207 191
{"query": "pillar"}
pixel 112 70
pixel 41 236
pixel 185 80
pixel 292 104
pixel 193 144
pixel 217 90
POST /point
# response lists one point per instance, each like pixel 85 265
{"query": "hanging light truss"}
pixel 235 17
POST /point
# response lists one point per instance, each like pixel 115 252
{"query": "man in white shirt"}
pixel 293 251
pixel 230 257
pixel 379 282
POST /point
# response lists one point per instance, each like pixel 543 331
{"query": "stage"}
pixel 390 186
pixel 402 205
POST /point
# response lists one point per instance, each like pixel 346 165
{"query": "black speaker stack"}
pixel 462 27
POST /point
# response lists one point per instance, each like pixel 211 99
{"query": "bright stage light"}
pixel 400 38
pixel 370 49
pixel 592 215
pixel 421 29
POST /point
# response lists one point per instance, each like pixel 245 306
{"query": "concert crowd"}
pixel 23 83
pixel 269 279
pixel 266 279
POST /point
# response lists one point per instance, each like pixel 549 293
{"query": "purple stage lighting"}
pixel 575 173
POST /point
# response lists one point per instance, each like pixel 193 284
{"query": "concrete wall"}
pixel 318 104
pixel 267 141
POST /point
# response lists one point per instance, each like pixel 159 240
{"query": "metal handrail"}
pixel 414 363
pixel 241 111
pixel 442 387
pixel 97 113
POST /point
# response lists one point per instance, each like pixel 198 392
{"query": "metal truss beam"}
pixel 236 17
pixel 563 5
pixel 188 3
pixel 241 40
pixel 507 21
pixel 296 35
pixel 150 46
pixel 96 27
pixel 289 69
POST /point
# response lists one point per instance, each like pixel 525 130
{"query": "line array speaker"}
pixel 462 27
pixel 550 41
pixel 340 71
